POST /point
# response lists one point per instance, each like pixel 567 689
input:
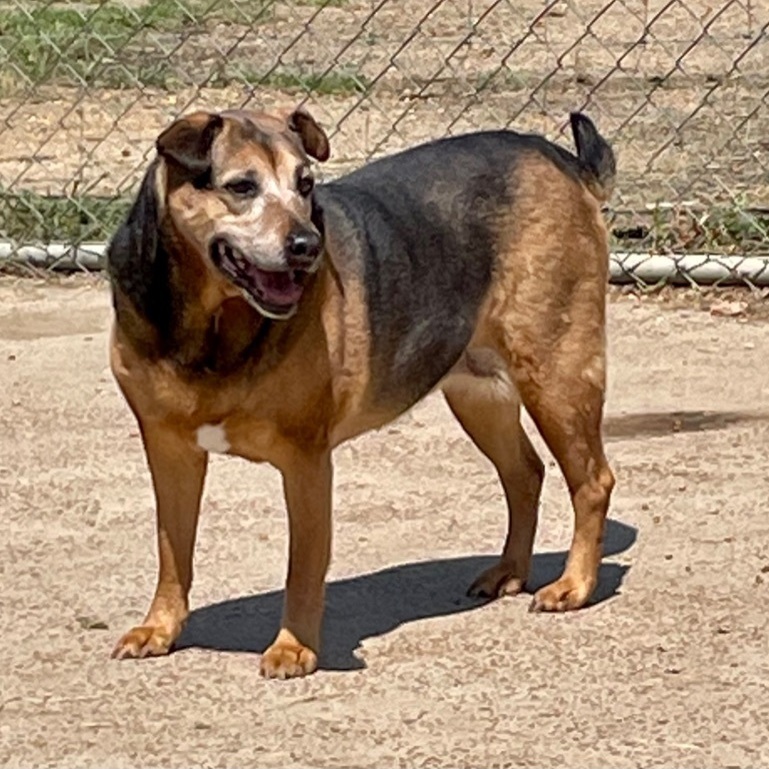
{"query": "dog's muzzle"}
pixel 274 293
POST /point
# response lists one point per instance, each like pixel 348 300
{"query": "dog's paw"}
pixel 565 594
pixel 143 641
pixel 288 660
pixel 500 580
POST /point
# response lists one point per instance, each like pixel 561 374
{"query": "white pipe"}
pixel 689 269
pixel 624 267
pixel 55 256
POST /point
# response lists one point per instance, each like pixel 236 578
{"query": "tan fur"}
pixel 546 315
pixel 539 341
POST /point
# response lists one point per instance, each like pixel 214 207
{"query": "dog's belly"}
pixel 484 372
pixel 479 370
pixel 361 422
pixel 422 265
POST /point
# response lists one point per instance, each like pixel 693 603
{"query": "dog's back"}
pixel 428 227
pixel 476 165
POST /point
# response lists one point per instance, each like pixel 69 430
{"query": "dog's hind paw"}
pixel 143 641
pixel 500 580
pixel 565 594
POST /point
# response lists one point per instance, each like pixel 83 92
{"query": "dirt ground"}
pixel 667 668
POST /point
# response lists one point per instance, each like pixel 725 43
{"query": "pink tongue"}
pixel 277 286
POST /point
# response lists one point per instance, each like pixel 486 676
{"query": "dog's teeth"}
pixel 222 249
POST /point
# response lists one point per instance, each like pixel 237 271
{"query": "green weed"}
pixel 28 217
pixel 107 44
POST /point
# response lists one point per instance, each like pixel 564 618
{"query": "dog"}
pixel 260 315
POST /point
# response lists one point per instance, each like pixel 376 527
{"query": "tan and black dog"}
pixel 259 315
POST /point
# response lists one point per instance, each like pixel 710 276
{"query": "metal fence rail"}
pixel 679 87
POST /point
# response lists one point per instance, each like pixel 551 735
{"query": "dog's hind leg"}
pixel 492 419
pixel 557 362
pixel 568 415
pixel 546 315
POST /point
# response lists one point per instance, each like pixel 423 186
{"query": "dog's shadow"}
pixel 374 604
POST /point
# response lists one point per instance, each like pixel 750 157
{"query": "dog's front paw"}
pixel 144 641
pixel 565 594
pixel 288 660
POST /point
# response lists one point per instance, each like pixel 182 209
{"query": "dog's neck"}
pixel 207 329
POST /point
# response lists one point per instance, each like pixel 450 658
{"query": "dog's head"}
pixel 239 190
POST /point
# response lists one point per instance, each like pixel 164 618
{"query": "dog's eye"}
pixel 305 185
pixel 245 188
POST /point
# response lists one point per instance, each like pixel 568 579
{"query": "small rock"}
pixel 91 623
pixel 557 11
pixel 726 309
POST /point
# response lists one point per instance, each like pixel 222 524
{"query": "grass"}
pixel 111 46
pixel 322 3
pixel 728 228
pixel 27 217
pixel 108 45
pixel 336 83
pixel 162 75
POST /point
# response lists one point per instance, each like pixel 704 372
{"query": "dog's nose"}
pixel 303 245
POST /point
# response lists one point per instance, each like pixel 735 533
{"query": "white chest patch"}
pixel 213 438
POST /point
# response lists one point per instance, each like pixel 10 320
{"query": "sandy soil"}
pixel 669 667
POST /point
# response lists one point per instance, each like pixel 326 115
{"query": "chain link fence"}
pixel 679 87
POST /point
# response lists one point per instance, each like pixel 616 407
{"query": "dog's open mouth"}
pixel 275 293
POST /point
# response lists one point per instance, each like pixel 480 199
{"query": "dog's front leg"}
pixel 307 480
pixel 178 468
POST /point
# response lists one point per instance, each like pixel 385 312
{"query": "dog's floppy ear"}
pixel 187 141
pixel 137 261
pixel 312 136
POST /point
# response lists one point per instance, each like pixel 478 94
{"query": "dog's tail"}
pixel 596 157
